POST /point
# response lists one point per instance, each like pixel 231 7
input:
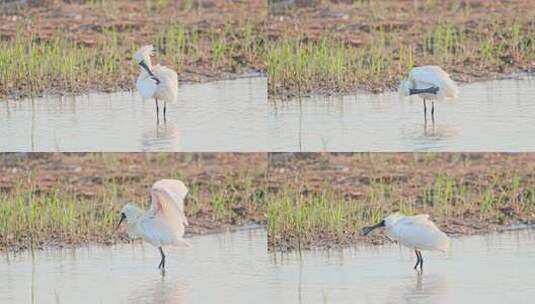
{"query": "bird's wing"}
pixel 168 200
pixel 157 231
pixel 449 87
pixel 421 233
pixel 432 75
pixel 424 77
pixel 146 85
pixel 168 88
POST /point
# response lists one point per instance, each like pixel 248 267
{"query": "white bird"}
pixel 163 224
pixel 415 232
pixel 158 82
pixel 429 82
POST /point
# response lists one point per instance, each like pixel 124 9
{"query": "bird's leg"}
pixel 421 262
pixel 162 262
pixel 157 109
pixel 417 259
pixel 164 110
pixel 433 110
pixel 425 111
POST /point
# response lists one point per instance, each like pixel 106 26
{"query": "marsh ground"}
pixel 304 46
pixel 70 199
pixel 306 200
pixel 80 46
pixel 341 46
pixel 324 199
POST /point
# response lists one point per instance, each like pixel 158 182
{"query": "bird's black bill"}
pixel 123 217
pixel 430 90
pixel 146 68
pixel 366 230
pixel 144 65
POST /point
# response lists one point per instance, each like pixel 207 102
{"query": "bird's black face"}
pixel 368 229
pixel 123 217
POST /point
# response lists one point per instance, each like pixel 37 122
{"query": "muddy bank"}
pixel 88 45
pixel 335 195
pixel 62 199
pixel 380 40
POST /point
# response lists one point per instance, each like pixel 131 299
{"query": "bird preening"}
pixel 164 223
pixel 430 82
pixel 415 232
pixel 158 81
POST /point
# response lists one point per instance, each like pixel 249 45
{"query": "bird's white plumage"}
pixel 164 223
pixel 148 86
pixel 143 54
pixel 416 232
pixel 168 197
pixel 427 76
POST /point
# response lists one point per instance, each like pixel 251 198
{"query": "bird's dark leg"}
pixel 157 110
pixel 421 262
pixel 425 111
pixel 417 259
pixel 164 110
pixel 162 262
pixel 433 110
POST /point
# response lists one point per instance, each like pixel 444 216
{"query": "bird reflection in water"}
pixel 163 137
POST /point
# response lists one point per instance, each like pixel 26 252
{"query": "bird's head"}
pixel 366 230
pixel 128 212
pixel 142 58
pixel 385 222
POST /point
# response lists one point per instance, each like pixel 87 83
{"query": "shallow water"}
pixel 236 116
pixel 487 116
pixel 235 268
pixel 216 116
pixel 219 268
pixel 496 268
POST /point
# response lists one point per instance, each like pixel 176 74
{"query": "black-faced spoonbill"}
pixel 415 232
pixel 158 82
pixel 429 82
pixel 163 224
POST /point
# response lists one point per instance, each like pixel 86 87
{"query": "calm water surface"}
pixel 487 116
pixel 219 268
pixel 216 116
pixel 237 116
pixel 496 268
pixel 235 268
